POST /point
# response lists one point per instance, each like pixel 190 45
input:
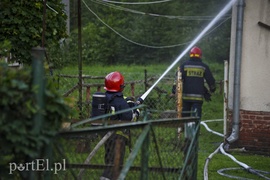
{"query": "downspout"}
pixel 225 102
pixel 237 73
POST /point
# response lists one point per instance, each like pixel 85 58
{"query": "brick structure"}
pixel 254 132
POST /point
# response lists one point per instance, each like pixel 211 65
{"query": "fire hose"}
pixel 221 149
pixel 141 99
pixel 91 155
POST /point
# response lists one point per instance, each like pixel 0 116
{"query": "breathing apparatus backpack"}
pixel 99 104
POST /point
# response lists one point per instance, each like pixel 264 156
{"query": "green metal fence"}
pixel 155 150
pixel 136 85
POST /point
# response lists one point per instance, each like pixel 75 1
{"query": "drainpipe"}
pixel 237 72
pixel 225 103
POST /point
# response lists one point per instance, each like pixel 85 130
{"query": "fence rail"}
pixel 134 88
pixel 155 150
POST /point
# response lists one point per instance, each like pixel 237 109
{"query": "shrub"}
pixel 18 106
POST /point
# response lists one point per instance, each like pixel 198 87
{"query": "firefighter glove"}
pixel 136 112
pixel 130 102
pixel 207 95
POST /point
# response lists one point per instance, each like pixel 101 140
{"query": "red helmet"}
pixel 195 52
pixel 114 82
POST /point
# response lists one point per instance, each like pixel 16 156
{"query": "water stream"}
pixel 207 28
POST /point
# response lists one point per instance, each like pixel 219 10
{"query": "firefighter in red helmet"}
pixel 195 52
pixel 194 74
pixel 114 82
pixel 114 85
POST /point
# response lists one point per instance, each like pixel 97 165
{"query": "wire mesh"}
pixel 136 85
pixel 163 153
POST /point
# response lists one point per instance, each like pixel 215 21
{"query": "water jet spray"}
pixel 211 24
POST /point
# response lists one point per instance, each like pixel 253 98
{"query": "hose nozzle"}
pixel 139 101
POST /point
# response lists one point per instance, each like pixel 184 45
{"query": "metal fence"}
pixel 136 85
pixel 154 150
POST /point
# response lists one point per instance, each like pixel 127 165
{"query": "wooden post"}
pixel 88 94
pixel 179 104
pixel 145 80
pixel 132 89
pixel 117 158
pixel 179 87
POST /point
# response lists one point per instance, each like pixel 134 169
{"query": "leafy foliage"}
pixel 5 47
pixel 21 22
pixel 148 33
pixel 18 106
pixel 115 33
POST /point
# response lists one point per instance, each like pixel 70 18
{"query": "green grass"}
pixel 208 142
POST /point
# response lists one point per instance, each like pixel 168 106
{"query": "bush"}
pixel 18 107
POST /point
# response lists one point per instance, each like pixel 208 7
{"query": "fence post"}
pixel 179 87
pixel 132 85
pixel 179 103
pixel 145 157
pixel 88 94
pixel 38 80
pixel 221 87
pixel 37 55
pixel 80 59
pixel 145 80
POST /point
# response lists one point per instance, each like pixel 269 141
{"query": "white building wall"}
pixel 255 67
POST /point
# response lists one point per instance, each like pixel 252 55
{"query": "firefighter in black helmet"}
pixel 194 74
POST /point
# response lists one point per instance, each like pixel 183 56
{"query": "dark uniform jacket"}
pixel 115 146
pixel 194 72
pixel 117 103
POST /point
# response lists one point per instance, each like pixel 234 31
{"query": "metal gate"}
pixel 155 149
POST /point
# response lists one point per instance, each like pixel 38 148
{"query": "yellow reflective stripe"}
pixel 112 110
pixel 121 134
pixel 192 95
pixel 194 55
pixel 194 72
pixel 193 98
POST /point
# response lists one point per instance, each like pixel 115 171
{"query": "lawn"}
pixel 208 142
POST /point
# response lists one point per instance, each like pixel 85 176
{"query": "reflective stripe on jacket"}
pixel 194 74
pixel 116 103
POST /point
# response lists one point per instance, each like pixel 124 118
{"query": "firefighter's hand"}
pixel 136 114
pixel 130 102
pixel 207 96
pixel 213 88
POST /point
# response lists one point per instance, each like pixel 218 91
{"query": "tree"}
pixel 4 48
pixel 146 33
pixel 21 23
